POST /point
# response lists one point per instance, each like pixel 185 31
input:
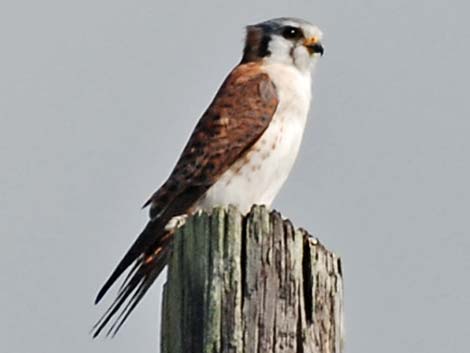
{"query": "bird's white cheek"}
pixel 302 58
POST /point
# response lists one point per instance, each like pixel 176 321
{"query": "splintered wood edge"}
pixel 221 234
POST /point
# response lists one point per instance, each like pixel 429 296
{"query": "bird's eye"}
pixel 290 32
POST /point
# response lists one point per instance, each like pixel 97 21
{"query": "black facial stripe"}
pixel 263 50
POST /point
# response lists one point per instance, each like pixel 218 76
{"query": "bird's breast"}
pixel 257 177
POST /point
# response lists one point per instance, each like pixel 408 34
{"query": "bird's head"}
pixel 284 40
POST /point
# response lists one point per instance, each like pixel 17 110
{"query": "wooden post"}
pixel 248 285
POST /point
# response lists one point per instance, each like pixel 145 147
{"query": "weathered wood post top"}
pixel 251 284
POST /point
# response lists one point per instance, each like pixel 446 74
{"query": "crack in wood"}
pixel 250 284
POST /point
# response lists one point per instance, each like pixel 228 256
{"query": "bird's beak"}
pixel 313 45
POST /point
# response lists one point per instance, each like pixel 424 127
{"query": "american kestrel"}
pixel 240 152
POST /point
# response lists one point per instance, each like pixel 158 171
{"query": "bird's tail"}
pixel 146 268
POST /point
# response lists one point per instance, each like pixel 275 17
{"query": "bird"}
pixel 240 152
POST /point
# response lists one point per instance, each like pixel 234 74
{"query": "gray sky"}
pixel 97 99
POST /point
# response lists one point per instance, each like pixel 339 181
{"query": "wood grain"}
pixel 251 284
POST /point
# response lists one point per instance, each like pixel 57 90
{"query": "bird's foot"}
pixel 176 222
